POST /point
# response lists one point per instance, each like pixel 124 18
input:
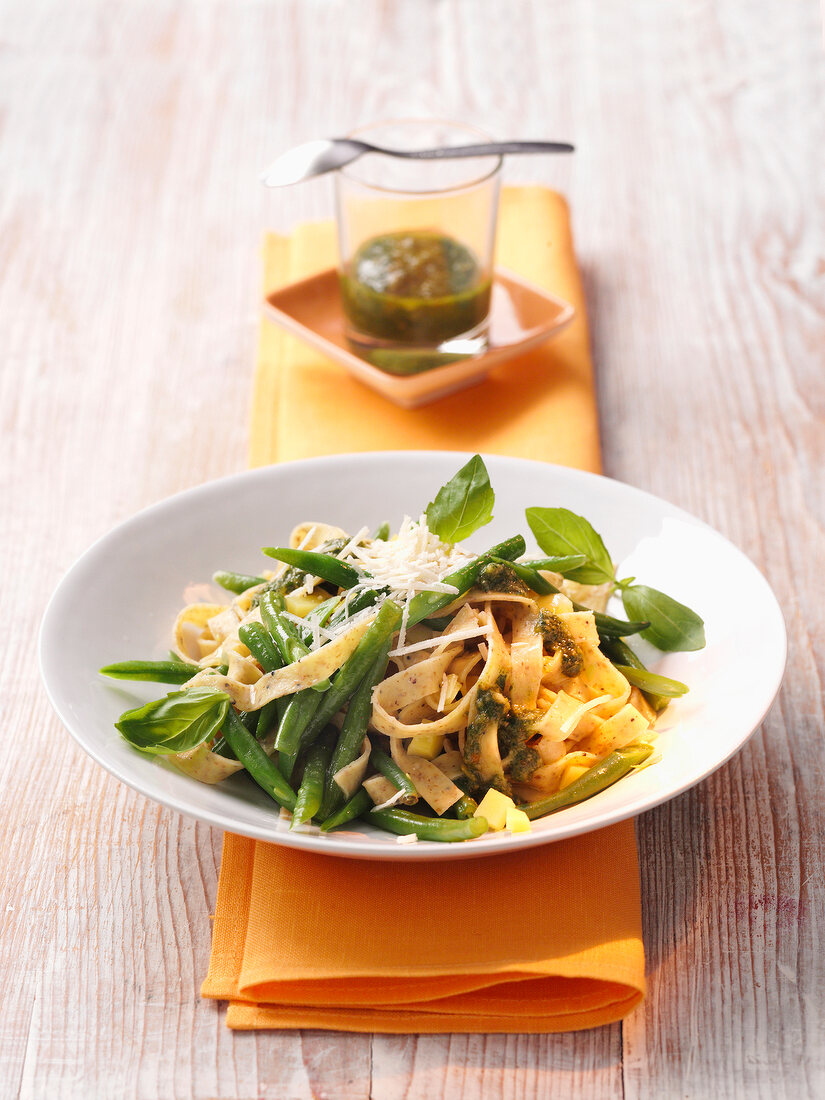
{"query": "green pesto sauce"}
pixel 556 636
pixel 498 577
pixel 414 287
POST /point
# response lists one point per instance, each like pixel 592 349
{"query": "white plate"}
pixel 120 599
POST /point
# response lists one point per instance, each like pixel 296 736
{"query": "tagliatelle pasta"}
pixel 368 673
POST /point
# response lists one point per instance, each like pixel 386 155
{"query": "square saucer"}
pixel 521 316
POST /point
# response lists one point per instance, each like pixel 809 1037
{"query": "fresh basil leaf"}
pixel 672 625
pixel 652 682
pixel 178 723
pixel 464 504
pixel 561 533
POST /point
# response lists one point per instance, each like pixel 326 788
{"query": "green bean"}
pixel 355 668
pixel 249 719
pixel 355 808
pixel 396 775
pixel 292 648
pixel 353 729
pixel 158 672
pixel 221 748
pixel 448 829
pixel 325 566
pixel 382 532
pixel 269 716
pixel 299 712
pixel 618 652
pixel 651 683
pixel 311 791
pixel 602 775
pixel 557 565
pixel 425 604
pixel 236 582
pixel 260 644
pixel 263 770
pixel 359 602
pixel 465 807
pixel 286 764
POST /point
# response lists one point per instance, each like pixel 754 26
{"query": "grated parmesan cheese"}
pixel 441 639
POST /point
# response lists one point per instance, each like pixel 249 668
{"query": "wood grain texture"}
pixel 130 221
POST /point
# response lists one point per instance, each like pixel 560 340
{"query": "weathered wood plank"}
pixel 130 138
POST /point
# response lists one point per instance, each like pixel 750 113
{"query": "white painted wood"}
pixel 130 220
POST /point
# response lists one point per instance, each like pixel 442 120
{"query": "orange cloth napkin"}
pixel 538 941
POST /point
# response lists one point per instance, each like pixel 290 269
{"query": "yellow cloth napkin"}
pixel 543 940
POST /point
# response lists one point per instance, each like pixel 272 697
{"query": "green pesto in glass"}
pixel 415 287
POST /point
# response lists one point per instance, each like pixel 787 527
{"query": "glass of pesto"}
pixel 416 240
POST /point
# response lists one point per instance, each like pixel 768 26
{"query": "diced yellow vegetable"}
pixel 428 745
pixel 517 821
pixel 571 773
pixel 301 603
pixel 494 806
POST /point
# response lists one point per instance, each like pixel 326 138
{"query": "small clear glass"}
pixel 416 242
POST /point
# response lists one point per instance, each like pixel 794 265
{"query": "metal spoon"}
pixel 325 155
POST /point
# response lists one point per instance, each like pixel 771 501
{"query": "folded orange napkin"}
pixel 537 941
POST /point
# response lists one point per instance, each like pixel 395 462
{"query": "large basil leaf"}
pixel 178 723
pixel 464 504
pixel 672 625
pixel 561 533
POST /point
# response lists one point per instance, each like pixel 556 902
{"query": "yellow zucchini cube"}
pixel 494 807
pixel 428 745
pixel 517 821
pixel 301 603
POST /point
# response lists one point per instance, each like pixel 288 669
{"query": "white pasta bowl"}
pixel 120 599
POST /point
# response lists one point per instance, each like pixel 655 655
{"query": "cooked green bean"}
pixel 311 791
pixel 355 668
pixel 258 641
pixel 325 566
pixel 249 719
pixel 446 829
pixel 158 672
pixel 263 770
pixel 620 653
pixel 425 604
pixel 602 775
pixel 236 582
pixel 651 683
pixel 557 565
pixel 355 808
pixel 465 807
pixel 299 712
pixel 390 770
pixel 353 729
pixel 269 716
pixel 359 602
pixel 291 646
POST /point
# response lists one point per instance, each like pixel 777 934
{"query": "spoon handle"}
pixel 491 148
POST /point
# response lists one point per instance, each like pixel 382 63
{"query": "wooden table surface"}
pixel 130 221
